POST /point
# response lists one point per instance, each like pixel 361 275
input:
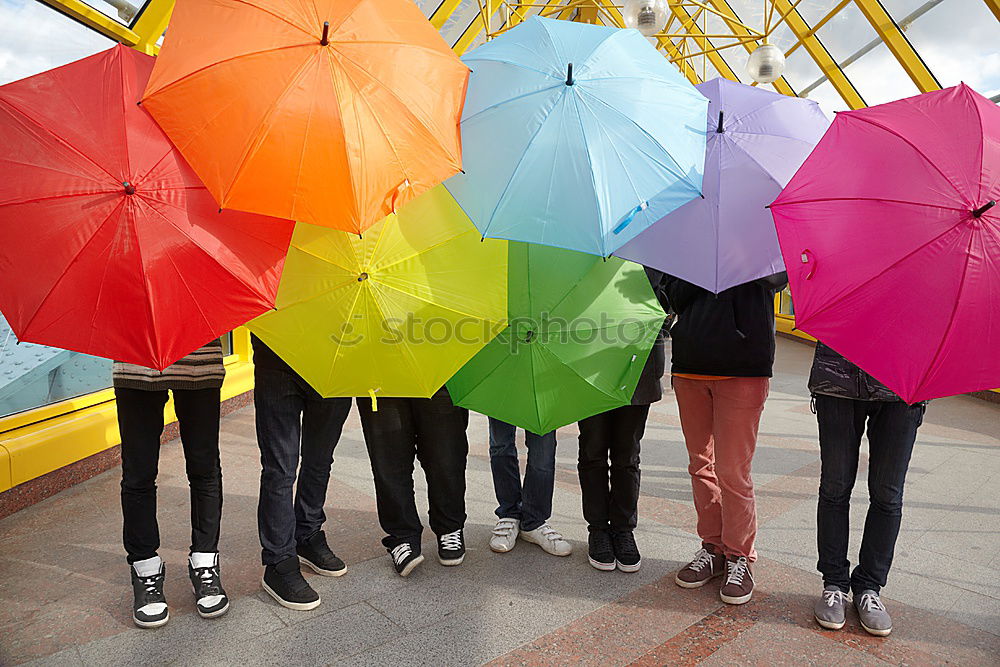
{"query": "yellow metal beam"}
pixel 819 54
pixel 893 37
pixel 994 6
pixel 692 28
pixel 686 69
pixel 723 9
pixel 92 18
pixel 444 12
pixel 151 24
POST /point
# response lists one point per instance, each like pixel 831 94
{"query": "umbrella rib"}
pixel 919 152
pixel 259 132
pixel 893 265
pixel 411 295
pixel 76 257
pixel 35 200
pixel 512 63
pixel 407 354
pixel 421 123
pixel 517 167
pixel 954 311
pixel 276 16
pixel 22 116
pixel 509 100
pixel 873 199
pixel 340 341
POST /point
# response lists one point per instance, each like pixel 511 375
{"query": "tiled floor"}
pixel 64 593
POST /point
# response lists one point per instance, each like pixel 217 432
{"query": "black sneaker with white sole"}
pixel 601 553
pixel 284 582
pixel 405 557
pixel 315 553
pixel 149 606
pixel 451 548
pixel 627 556
pixel 210 597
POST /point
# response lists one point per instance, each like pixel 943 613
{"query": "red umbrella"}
pixel 109 243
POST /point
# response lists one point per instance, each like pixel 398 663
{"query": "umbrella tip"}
pixel 978 213
pixel 220 209
pixel 325 40
pixel 569 75
pixel 720 129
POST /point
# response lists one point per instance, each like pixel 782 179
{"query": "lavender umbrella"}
pixel 756 141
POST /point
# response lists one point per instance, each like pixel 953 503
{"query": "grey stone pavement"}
pixel 65 594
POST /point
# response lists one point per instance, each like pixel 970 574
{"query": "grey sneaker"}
pixel 831 609
pixel 874 618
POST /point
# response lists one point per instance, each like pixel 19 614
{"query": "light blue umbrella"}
pixel 570 131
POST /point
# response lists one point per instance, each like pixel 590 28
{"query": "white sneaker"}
pixel 505 535
pixel 548 539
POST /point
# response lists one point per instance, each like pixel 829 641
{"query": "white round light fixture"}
pixel 766 63
pixel 647 16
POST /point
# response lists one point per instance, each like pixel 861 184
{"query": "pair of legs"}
pixel 140 421
pixel 530 501
pixel 610 493
pixel 433 431
pixel 892 430
pixel 297 431
pixel 720 419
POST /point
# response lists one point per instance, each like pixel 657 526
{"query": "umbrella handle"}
pixel 371 394
pixel 627 220
pixel 807 258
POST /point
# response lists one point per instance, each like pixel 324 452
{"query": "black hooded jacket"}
pixel 728 334
pixel 833 375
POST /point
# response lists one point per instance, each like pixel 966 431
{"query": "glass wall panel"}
pixel 35 38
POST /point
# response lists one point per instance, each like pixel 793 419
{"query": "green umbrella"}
pixel 580 330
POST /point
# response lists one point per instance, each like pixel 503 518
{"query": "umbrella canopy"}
pixel 757 139
pixel 892 240
pixel 570 130
pixel 394 313
pixel 109 243
pixel 324 111
pixel 580 331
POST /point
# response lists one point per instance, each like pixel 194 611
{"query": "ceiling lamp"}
pixel 766 63
pixel 647 16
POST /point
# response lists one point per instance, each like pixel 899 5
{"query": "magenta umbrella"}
pixel 756 141
pixel 891 235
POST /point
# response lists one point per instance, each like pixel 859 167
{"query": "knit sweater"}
pixel 202 369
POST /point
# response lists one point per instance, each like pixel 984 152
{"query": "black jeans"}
pixel 529 502
pixel 433 431
pixel 297 430
pixel 611 493
pixel 892 429
pixel 140 422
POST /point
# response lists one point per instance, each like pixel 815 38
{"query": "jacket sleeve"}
pixel 680 293
pixel 658 281
pixel 775 283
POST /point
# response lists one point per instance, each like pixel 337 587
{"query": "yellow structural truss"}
pixel 39 441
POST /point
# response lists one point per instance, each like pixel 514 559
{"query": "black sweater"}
pixel 730 333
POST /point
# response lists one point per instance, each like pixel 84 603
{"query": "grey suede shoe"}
pixel 874 618
pixel 831 609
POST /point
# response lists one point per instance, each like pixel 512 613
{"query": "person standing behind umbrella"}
pixel 722 359
pixel 524 507
pixel 297 431
pixel 141 394
pixel 431 430
pixel 847 402
pixel 610 493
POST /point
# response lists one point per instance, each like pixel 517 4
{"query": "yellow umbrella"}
pixel 392 313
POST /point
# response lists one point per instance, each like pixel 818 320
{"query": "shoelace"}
pixel 400 552
pixel 737 570
pixel 834 597
pixel 452 541
pixel 550 533
pixel 504 527
pixel 701 559
pixel 870 602
pixel 150 583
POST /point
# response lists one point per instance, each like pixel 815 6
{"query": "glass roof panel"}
pixel 828 97
pixel 428 6
pixel 801 70
pixel 466 12
pixel 35 38
pixel 958 40
pixel 123 11
pixel 843 35
pixel 879 77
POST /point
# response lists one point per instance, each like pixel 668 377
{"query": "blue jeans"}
pixel 530 502
pixel 892 429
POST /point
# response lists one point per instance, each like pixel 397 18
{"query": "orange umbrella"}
pixel 333 112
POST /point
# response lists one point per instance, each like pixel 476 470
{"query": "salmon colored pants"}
pixel 719 419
